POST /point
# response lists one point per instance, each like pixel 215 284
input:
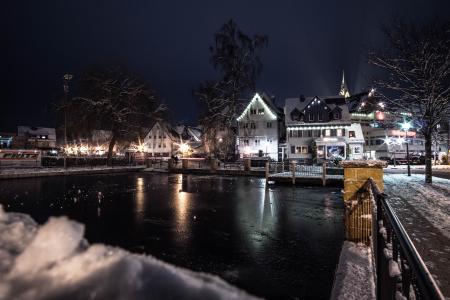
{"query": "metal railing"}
pixel 401 272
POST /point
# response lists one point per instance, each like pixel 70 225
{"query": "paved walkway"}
pixel 419 219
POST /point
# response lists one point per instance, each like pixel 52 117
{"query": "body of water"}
pixel 277 243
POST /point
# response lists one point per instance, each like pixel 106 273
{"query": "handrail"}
pixel 412 268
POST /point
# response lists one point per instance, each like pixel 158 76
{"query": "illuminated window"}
pixel 327 132
pixel 305 149
pixel 261 111
pixel 339 132
pixel 351 134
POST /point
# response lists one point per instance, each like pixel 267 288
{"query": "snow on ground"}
pixel 61 170
pixel 432 201
pixel 424 211
pixel 55 262
pixel 354 278
pixel 418 167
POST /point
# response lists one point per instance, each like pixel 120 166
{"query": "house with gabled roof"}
pixel 161 140
pixel 260 127
pixel 320 128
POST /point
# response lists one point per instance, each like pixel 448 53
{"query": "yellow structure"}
pixel 357 172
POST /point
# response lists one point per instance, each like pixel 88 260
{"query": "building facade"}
pixel 260 127
pixel 161 140
pixel 36 137
pixel 320 128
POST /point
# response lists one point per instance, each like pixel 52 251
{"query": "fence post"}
pixel 247 164
pixel 267 174
pixel 293 165
pixel 324 173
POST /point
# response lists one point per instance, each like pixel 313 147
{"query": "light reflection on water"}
pixel 275 243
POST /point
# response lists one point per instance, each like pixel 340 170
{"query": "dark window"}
pixel 320 116
pixel 293 149
pixel 300 133
pixel 309 133
pixel 253 111
pixel 269 124
pixel 311 117
pixel 333 132
pixel 337 115
pixel 252 125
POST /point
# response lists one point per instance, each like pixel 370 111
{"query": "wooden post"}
pixel 324 173
pixel 267 174
pixel 293 164
pixel 247 164
pixel 184 163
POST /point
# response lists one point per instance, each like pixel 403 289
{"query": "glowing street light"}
pixel 184 148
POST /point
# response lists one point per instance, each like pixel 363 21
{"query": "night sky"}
pixel 310 43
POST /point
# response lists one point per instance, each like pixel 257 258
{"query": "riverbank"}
pixel 46 172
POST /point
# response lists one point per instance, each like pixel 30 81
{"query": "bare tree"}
pixel 417 81
pixel 237 58
pixel 113 99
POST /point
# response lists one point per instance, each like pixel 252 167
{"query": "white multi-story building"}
pixel 260 127
pixel 161 140
pixel 321 128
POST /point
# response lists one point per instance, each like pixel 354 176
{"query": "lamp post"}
pixel 406 126
pixel 66 79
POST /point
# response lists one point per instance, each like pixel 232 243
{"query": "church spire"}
pixel 344 90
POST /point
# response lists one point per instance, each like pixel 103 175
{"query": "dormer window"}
pixel 253 111
pixel 311 117
pixel 336 115
pixel 261 111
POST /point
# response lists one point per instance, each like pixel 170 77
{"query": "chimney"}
pixel 302 98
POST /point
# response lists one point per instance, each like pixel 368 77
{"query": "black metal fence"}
pixel 401 272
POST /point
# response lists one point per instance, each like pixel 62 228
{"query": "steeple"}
pixel 344 90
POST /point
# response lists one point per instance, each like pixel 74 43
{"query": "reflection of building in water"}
pixel 139 195
pixel 182 209
pixel 257 219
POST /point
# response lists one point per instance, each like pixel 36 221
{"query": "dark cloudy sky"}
pixel 310 42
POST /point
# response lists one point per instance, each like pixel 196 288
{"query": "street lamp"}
pixel 406 126
pixel 66 79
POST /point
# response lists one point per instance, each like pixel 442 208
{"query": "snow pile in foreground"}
pixel 354 276
pixel 55 262
pixel 432 201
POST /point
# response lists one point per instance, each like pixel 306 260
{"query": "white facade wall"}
pixel 158 142
pixel 258 131
pixel 325 136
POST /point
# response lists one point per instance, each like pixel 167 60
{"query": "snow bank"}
pixel 432 201
pixel 55 262
pixel 354 277
pixel 362 163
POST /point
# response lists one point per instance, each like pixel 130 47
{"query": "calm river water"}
pixel 278 243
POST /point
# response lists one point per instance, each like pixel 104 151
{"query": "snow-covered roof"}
pixel 300 103
pixel 267 101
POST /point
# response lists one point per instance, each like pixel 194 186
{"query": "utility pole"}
pixel 66 79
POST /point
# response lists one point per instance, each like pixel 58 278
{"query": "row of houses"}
pixel 316 128
pixel 306 129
